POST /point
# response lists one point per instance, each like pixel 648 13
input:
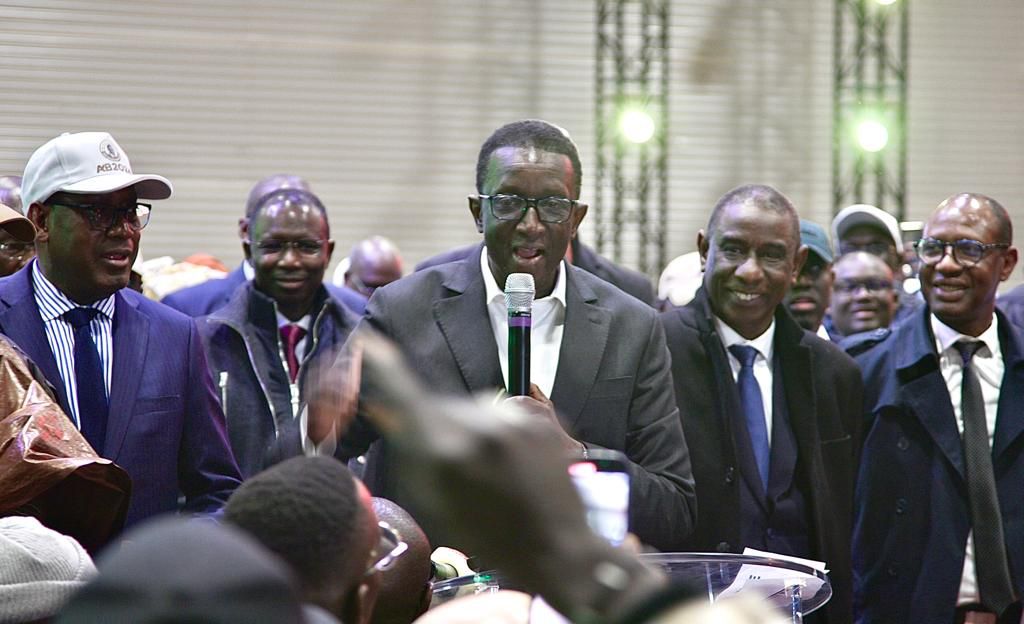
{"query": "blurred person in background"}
pixel 373 262
pixel 863 294
pixel 15 251
pixel 809 297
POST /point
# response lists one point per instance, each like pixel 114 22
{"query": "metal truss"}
pixel 870 74
pixel 631 202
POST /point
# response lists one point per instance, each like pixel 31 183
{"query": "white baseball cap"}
pixel 85 162
pixel 863 214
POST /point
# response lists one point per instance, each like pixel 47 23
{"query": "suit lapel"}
pixel 923 388
pixel 466 326
pixel 798 384
pixel 584 338
pixel 130 339
pixel 22 323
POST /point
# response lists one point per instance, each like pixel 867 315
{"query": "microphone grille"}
pixel 519 292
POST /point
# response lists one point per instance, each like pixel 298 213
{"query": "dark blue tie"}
pixel 753 409
pixel 89 383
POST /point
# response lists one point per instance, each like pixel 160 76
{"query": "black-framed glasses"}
pixel 389 547
pixel 871 286
pixel 305 247
pixel 875 249
pixel 17 249
pixel 103 218
pixel 966 252
pixel 514 207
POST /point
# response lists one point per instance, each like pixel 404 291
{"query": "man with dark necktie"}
pixel 265 341
pixel 939 530
pixel 770 410
pixel 128 371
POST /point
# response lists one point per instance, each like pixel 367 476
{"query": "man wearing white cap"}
pixel 862 227
pixel 130 372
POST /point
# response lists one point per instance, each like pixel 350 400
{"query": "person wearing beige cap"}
pixel 16 232
pixel 129 372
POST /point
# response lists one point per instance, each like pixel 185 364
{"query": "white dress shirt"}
pixel 988 364
pixel 765 346
pixel 52 304
pixel 547 324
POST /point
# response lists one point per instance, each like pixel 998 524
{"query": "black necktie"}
pixel 753 409
pixel 990 565
pixel 89 383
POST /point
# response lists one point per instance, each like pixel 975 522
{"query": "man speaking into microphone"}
pixel 598 353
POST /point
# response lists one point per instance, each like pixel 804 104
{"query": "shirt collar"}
pixel 763 343
pixel 248 271
pixel 303 322
pixel 492 291
pixel 946 336
pixel 53 303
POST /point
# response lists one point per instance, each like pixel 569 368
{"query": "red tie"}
pixel 292 334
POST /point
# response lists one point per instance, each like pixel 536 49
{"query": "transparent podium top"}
pixel 725 574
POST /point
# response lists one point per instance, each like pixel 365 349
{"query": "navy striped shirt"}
pixel 52 304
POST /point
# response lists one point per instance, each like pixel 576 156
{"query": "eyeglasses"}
pixel 875 249
pixel 388 548
pixel 305 247
pixel 103 218
pixel 514 207
pixel 966 252
pixel 871 286
pixel 17 249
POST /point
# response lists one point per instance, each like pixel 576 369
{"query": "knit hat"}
pixel 39 569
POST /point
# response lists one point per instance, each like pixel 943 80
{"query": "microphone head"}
pixel 519 292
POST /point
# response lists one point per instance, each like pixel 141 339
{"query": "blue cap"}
pixel 814 236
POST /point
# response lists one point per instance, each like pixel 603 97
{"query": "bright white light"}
pixel 885 2
pixel 636 126
pixel 872 136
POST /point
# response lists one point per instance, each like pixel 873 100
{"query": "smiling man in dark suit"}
pixel 770 410
pixel 128 371
pixel 598 353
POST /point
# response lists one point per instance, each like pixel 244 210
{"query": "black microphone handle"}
pixel 519 354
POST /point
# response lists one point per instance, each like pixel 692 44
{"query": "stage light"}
pixel 636 125
pixel 872 136
pixel 885 2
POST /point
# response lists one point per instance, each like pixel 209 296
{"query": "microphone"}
pixel 519 292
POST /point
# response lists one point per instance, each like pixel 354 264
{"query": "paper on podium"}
pixel 766 580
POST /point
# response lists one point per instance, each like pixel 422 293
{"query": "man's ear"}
pixel 330 250
pixel 243 228
pixel 247 250
pixel 37 214
pixel 577 217
pixel 798 263
pixel 1009 262
pixel 702 249
pixel 474 209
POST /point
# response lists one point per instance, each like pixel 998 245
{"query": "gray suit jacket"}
pixel 613 385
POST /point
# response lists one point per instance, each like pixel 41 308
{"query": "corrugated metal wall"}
pixel 382 105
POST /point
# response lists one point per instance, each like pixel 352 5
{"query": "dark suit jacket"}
pixel 203 299
pixel 166 428
pixel 823 396
pixel 626 280
pixel 612 386
pixel 1012 305
pixel 912 513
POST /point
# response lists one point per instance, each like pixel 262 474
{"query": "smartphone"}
pixel 603 483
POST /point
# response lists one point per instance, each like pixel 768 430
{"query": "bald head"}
pixel 269 184
pixel 405 590
pixel 373 262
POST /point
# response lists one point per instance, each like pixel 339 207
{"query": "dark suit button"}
pixel 901 505
pixel 903 443
pixel 730 475
pixel 723 547
pixel 892 571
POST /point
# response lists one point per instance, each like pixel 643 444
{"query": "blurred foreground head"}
pixel 314 514
pixel 405 589
pixel 175 570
